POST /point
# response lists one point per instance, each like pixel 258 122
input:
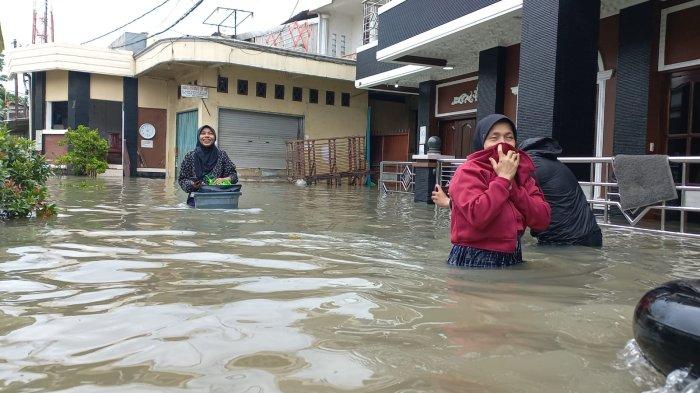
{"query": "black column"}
pixel 131 108
pixel 558 67
pixel 426 111
pixel 633 71
pixel 38 86
pixel 78 99
pixel 492 75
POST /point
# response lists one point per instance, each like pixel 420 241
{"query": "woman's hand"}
pixel 440 199
pixel 507 165
pixel 196 184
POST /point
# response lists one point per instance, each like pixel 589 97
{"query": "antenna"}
pixel 40 30
pixel 227 17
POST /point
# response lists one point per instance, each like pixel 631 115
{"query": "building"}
pixel 604 77
pixel 149 102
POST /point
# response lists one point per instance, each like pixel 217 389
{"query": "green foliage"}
pixel 87 151
pixel 211 181
pixel 23 172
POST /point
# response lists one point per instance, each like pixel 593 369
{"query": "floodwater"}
pixel 308 290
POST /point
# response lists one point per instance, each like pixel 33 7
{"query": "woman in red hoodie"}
pixel 494 197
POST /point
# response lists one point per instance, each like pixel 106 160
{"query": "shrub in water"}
pixel 87 151
pixel 23 173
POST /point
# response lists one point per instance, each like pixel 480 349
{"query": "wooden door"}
pixel 456 136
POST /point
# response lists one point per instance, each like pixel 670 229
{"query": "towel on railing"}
pixel 643 180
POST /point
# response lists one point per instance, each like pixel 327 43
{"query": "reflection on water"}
pixel 308 290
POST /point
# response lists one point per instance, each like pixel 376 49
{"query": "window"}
pixel 334 44
pixel 59 115
pixel 345 99
pixel 261 89
pixel 242 87
pixel 330 98
pixel 222 84
pixel 313 96
pixel 342 46
pixel 297 93
pixel 279 92
pixel 683 123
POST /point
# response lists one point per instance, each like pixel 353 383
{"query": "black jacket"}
pixel 573 221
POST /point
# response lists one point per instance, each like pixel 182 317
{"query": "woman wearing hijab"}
pixel 494 197
pixel 205 159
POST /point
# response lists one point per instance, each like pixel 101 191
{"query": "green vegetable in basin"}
pixel 211 181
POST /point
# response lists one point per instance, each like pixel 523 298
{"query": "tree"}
pixel 87 151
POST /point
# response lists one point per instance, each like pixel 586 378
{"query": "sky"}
pixel 77 21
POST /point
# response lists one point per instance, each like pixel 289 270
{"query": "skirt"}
pixel 465 256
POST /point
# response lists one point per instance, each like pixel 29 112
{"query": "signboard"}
pixel 457 97
pixel 147 143
pixel 193 91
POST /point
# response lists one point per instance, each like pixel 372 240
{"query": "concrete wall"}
pixel 153 93
pixel 56 86
pixel 341 24
pixel 106 87
pixel 320 120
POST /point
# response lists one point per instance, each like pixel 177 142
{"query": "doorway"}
pixel 456 136
pixel 186 135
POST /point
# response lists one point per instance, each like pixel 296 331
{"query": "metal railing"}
pixel 603 194
pixel 331 159
pixel 396 177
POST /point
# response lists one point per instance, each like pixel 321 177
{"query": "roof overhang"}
pixel 53 56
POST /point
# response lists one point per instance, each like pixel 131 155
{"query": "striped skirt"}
pixel 465 256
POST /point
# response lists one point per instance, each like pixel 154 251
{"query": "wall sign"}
pixel 193 91
pixel 147 131
pixel 457 97
pixel 147 143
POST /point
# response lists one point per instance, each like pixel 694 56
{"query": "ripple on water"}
pixel 103 271
pixel 204 257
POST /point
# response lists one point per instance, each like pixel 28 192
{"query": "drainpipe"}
pixel 322 38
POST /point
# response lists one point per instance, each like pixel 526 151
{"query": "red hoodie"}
pixel 488 211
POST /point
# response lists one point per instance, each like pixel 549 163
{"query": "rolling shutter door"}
pixel 256 140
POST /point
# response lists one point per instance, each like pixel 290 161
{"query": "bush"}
pixel 87 151
pixel 23 172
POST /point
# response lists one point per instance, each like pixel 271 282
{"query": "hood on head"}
pixel 542 146
pixel 199 132
pixel 484 126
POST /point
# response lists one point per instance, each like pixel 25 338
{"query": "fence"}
pixel 330 159
pixel 396 177
pixel 603 194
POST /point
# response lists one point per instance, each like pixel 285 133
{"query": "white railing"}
pixel 603 195
pixel 396 177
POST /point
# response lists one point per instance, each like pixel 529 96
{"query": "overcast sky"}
pixel 77 21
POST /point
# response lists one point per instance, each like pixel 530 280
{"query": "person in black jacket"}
pixel 573 222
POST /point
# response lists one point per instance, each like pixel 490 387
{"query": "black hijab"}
pixel 205 158
pixel 485 125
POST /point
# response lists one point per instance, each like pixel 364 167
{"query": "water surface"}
pixel 307 290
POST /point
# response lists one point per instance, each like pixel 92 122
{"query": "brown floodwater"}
pixel 308 290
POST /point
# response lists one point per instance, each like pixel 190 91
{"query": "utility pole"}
pixel 14 45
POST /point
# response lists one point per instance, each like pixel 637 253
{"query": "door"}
pixel 456 136
pixel 257 140
pixel 186 138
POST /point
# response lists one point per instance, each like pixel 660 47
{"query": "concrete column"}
pixel 130 108
pixel 426 112
pixel 633 72
pixel 78 99
pixel 38 104
pixel 322 37
pixel 558 67
pixel 492 74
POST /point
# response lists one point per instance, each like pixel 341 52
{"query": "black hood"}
pixel 543 146
pixel 484 126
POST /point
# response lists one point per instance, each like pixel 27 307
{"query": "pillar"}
pixel 558 67
pixel 130 109
pixel 78 99
pixel 492 74
pixel 633 72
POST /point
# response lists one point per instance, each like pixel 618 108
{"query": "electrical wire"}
pixel 126 24
pixel 164 30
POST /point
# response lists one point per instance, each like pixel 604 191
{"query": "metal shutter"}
pixel 256 140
